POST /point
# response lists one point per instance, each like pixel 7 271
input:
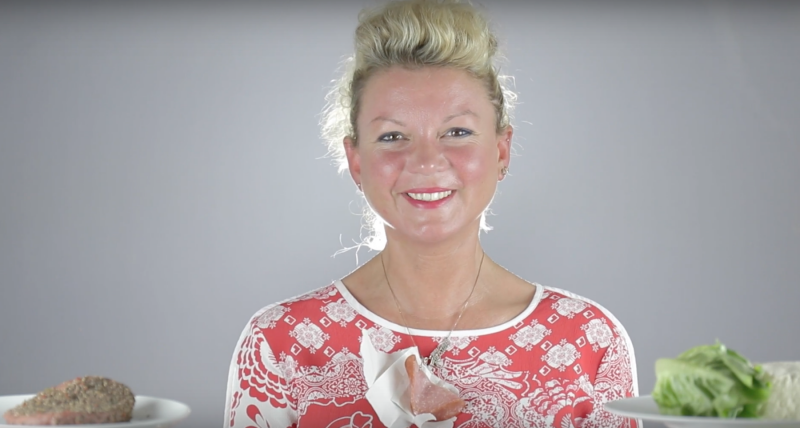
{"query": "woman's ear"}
pixel 504 149
pixel 353 160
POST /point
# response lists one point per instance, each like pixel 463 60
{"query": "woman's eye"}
pixel 459 132
pixel 390 137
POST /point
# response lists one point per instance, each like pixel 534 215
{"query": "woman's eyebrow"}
pixel 386 119
pixel 463 113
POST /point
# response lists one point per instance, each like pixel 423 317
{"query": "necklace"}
pixel 435 358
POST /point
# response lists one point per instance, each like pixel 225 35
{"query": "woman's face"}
pixel 428 157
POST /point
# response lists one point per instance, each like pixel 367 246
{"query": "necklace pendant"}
pixel 435 359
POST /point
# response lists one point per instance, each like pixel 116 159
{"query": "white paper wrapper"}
pixel 387 382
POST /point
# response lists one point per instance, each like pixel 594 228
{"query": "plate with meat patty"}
pixel 90 401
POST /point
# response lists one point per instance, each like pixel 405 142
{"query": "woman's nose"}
pixel 427 156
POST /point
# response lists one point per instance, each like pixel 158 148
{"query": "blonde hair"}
pixel 413 34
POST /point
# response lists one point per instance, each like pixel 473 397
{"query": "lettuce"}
pixel 710 380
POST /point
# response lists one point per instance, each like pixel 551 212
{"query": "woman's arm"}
pixel 615 379
pixel 258 394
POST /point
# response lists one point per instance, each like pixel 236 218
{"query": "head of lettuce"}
pixel 711 380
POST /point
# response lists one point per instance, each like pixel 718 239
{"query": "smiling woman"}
pixel 427 155
pixel 431 332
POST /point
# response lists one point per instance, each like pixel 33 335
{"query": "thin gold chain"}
pixel 436 354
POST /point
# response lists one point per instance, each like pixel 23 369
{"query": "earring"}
pixel 359 187
pixel 504 171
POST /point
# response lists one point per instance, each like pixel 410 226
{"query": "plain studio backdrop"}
pixel 162 178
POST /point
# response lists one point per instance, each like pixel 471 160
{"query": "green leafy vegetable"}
pixel 710 380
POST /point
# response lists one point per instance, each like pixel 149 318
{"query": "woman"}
pixel 431 332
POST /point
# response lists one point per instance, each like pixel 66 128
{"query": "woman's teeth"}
pixel 430 196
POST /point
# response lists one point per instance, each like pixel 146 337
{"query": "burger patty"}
pixel 85 400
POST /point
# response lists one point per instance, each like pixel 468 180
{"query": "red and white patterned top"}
pixel 297 364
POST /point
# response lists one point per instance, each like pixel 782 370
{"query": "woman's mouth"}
pixel 428 198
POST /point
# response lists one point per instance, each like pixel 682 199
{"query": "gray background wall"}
pixel 161 180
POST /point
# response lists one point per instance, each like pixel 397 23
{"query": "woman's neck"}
pixel 432 283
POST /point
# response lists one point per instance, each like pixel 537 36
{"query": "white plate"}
pixel 148 412
pixel 646 409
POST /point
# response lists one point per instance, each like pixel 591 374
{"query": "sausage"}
pixel 427 397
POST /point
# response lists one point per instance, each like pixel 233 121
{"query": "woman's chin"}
pixel 432 234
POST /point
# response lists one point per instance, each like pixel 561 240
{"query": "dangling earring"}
pixel 359 187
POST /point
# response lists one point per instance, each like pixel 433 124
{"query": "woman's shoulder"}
pixel 308 329
pixel 297 307
pixel 559 304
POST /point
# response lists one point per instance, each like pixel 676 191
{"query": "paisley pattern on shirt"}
pixel 297 365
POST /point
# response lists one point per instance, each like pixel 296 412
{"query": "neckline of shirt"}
pixel 397 328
